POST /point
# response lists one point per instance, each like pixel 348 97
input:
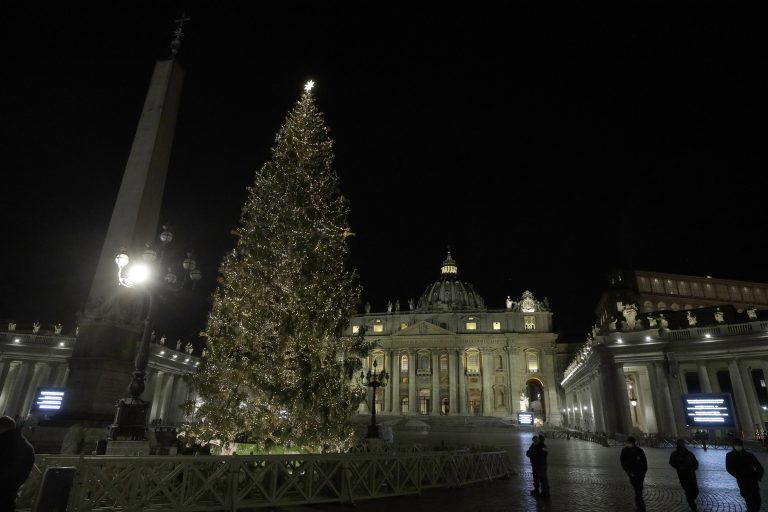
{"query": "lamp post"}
pixel 374 380
pixel 131 415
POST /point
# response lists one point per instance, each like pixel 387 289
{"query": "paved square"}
pixel 583 477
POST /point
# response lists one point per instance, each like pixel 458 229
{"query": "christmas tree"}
pixel 277 370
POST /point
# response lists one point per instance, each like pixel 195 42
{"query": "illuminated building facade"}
pixel 448 355
pixel 661 337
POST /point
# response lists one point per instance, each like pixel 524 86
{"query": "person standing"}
pixel 634 463
pixel 537 453
pixel 17 457
pixel 686 465
pixel 747 471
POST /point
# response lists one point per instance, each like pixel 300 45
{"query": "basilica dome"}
pixel 449 293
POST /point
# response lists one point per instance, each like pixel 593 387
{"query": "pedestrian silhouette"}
pixel 686 465
pixel 17 457
pixel 634 463
pixel 537 453
pixel 747 471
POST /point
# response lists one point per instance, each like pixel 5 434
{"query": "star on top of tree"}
pixel 309 85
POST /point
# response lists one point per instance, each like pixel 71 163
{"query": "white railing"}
pixel 211 483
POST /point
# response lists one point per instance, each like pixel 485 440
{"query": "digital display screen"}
pixel 709 410
pixel 48 399
pixel 525 418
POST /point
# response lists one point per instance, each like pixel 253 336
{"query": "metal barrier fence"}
pixel 231 483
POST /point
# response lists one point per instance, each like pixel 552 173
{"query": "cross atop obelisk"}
pixel 178 35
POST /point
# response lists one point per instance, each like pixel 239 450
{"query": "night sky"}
pixel 546 145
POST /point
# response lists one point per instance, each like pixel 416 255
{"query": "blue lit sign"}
pixel 525 418
pixel 48 399
pixel 709 410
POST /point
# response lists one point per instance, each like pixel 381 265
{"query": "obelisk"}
pixel 111 322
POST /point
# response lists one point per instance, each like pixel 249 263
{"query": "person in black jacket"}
pixel 634 463
pixel 686 465
pixel 16 460
pixel 747 471
pixel 538 455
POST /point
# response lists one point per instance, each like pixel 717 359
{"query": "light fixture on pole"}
pixel 131 416
pixel 374 381
pixel 632 397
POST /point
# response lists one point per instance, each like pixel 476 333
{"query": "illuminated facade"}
pixel 34 359
pixel 447 354
pixel 639 362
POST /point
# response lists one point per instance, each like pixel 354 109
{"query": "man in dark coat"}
pixel 16 460
pixel 538 455
pixel 634 463
pixel 686 465
pixel 747 471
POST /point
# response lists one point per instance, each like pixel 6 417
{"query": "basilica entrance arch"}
pixel 534 391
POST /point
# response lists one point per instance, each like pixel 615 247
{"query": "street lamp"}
pixel 131 415
pixel 374 380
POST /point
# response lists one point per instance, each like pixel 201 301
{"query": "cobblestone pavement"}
pixel 583 477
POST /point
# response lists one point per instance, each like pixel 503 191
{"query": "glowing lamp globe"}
pixel 122 259
pixel 138 273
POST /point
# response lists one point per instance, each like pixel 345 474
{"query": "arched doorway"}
pixel 534 391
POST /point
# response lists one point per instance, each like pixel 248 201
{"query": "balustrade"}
pixel 215 483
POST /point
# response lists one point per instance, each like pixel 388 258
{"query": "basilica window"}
pixel 471 324
pixel 671 287
pixel 404 405
pixel 403 325
pixel 423 362
pixel 355 329
pixel 533 362
pixel 683 287
pixel 530 322
pixel 404 363
pixel 499 363
pixel 473 362
pixel 378 326
pixel 443 363
pixel 496 326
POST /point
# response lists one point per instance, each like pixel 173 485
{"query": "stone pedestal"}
pixel 135 448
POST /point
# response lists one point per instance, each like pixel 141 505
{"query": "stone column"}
pixel 39 377
pixel 622 402
pixel 59 375
pixel 453 391
pixel 396 384
pixel 751 396
pixel 462 383
pixel 389 402
pixel 486 362
pixel 746 423
pixel 435 383
pixel 412 397
pixel 5 369
pixel 706 385
pixel 659 397
pixel 513 403
pixel 157 395
pixel 713 381
pixel 163 411
pixel 10 384
pixel 16 397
